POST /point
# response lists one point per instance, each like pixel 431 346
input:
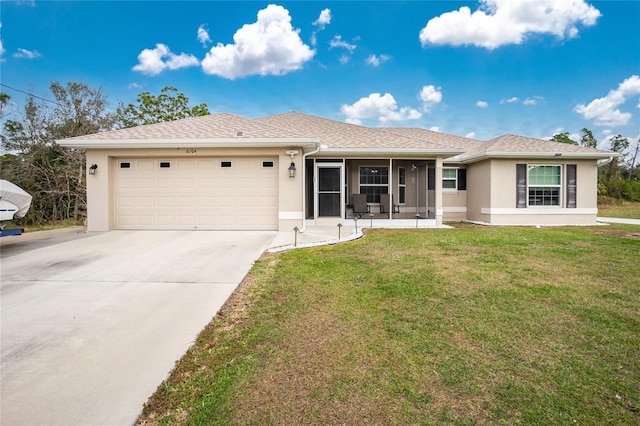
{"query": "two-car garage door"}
pixel 197 193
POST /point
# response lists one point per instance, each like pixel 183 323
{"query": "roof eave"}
pixel 539 155
pixel 389 152
pixel 190 143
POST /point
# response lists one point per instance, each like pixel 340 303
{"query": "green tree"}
pixel 563 138
pixel 52 174
pixel 169 105
pixel 613 179
pixel 587 139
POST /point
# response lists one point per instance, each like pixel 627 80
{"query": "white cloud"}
pixel 154 61
pixel 501 22
pixel 384 108
pixel 270 46
pixel 2 50
pixel 482 104
pixel 605 111
pixel 27 54
pixel 471 135
pixel 435 129
pixel 203 36
pixel 532 101
pixel 430 96
pixel 377 60
pixel 510 100
pixel 324 19
pixel 134 86
pixel 339 42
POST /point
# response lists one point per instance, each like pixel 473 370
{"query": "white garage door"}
pixel 197 193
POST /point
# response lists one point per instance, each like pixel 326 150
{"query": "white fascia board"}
pixel 540 155
pixel 190 143
pixel 388 152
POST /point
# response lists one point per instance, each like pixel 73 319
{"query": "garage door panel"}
pixel 196 194
pixel 145 183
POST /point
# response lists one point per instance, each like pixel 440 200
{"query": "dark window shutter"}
pixel 572 185
pixel 521 178
pixel 431 177
pixel 462 179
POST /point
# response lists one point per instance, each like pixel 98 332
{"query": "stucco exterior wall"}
pixel 101 186
pixel 478 190
pixel 501 209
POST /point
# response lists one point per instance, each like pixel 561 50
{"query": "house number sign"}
pixel 191 150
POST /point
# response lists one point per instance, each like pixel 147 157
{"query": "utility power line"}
pixel 30 94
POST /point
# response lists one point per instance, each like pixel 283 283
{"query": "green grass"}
pixel 473 325
pixel 619 208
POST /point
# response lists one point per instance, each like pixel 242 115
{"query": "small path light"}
pixel 339 227
pixel 371 216
pixel 417 218
pixel 355 219
pixel 295 241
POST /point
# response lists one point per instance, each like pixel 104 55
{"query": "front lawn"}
pixel 619 208
pixel 473 325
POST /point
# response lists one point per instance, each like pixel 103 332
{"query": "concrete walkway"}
pixel 619 220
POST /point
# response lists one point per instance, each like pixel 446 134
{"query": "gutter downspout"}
pixel 605 162
pixel 304 186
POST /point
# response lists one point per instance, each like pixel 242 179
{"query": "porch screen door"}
pixel 329 191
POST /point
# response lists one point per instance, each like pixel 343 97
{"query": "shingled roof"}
pixel 334 137
pixel 213 126
pixel 337 134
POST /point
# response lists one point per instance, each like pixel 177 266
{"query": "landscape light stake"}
pixel 371 216
pixel 339 227
pixel 295 240
pixel 355 219
pixel 417 217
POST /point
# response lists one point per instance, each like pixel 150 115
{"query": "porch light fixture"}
pixel 92 169
pixel 292 167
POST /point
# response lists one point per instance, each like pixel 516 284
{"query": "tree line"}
pixel 619 178
pixel 55 175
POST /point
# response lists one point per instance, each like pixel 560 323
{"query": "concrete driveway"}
pixel 92 325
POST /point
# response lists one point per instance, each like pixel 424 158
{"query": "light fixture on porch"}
pixel 92 169
pixel 292 167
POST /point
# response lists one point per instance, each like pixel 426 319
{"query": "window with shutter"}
pixel 572 186
pixel 521 186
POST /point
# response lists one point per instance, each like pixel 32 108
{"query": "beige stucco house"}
pixel 225 172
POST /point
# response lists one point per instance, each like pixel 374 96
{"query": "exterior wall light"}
pixel 292 167
pixel 92 169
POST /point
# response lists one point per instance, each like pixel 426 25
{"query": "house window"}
pixel 449 178
pixel 267 164
pixel 373 182
pixel 402 185
pixel 165 164
pixel 544 185
pixel 125 165
pixel 225 164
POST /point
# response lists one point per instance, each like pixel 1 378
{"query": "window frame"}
pixel 402 185
pixel 545 186
pixel 449 179
pixel 373 198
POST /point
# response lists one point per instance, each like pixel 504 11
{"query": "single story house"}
pixel 226 172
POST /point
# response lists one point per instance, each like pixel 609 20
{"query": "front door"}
pixel 329 184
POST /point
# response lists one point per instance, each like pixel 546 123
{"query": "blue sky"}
pixel 476 69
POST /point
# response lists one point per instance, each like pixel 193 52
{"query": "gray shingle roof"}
pixel 335 135
pixel 214 126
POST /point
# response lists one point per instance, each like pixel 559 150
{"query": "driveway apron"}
pixel 90 327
